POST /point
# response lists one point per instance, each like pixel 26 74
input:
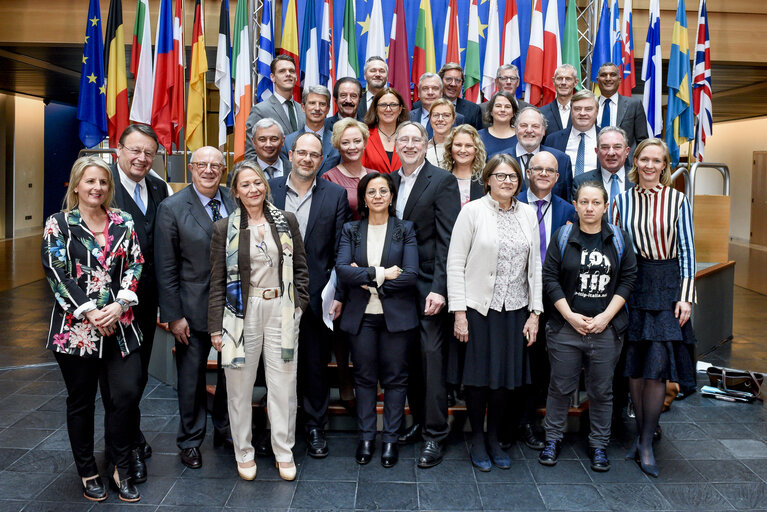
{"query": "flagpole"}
pixel 182 49
pixel 204 80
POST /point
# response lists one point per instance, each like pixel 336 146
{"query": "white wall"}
pixel 28 166
pixel 733 143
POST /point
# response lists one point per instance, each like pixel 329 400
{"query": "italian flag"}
pixel 241 78
pixel 141 66
pixel 471 66
pixel 424 60
pixel 348 62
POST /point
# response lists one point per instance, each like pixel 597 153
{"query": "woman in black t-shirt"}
pixel 588 275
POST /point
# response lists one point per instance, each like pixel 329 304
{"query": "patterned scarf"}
pixel 233 349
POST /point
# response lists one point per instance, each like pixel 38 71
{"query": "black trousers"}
pixel 427 388
pixel 81 376
pixel 191 363
pixel 314 344
pixel 380 355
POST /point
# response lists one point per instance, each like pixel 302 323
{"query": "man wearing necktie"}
pixel 268 142
pixel 579 141
pixel 616 110
pixel 612 152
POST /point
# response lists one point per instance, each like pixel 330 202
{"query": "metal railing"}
pixel 691 175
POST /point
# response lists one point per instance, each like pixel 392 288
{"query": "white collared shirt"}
pixel 130 186
pixel 424 117
pixel 521 151
pixel 531 199
pixel 405 187
pixel 590 154
pixel 319 134
pixel 607 176
pixel 277 166
pixel 284 103
pixel 369 98
pixel 613 109
pixel 564 113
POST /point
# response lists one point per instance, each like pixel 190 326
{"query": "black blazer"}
pixel 470 111
pixel 330 155
pixel 564 183
pixel 183 231
pixel 596 175
pixel 398 296
pixel 332 120
pixel 432 207
pixel 554 123
pixel 327 216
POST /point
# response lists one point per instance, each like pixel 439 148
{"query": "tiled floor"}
pixel 713 455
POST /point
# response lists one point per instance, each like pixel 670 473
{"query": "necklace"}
pixel 388 137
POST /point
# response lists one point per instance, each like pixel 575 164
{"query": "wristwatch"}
pixel 124 305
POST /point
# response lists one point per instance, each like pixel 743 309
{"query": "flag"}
pixel 534 64
pixel 164 68
pixel 511 46
pixel 399 58
pixel 471 68
pixel 493 51
pixel 348 63
pixel 552 51
pixel 195 103
pixel 264 85
pixel 141 66
pixel 424 60
pixel 310 65
pixel 571 50
pixel 223 79
pixel 602 51
pixel 679 115
pixel 616 39
pixel 177 98
pixel 451 51
pixel 91 104
pixel 241 78
pixel 327 54
pixel 117 81
pixel 702 95
pixel 376 39
pixel 651 73
pixel 628 76
pixel 289 45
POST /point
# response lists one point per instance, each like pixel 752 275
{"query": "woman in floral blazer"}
pixel 92 260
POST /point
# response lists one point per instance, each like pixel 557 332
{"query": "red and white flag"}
pixel 492 52
pixel 702 95
pixel 534 64
pixel 177 99
pixel 628 74
pixel 552 51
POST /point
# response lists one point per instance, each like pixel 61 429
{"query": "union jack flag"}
pixel 702 97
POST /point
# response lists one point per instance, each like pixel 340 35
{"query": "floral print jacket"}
pixel 83 275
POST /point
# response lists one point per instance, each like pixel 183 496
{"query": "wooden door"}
pixel 759 199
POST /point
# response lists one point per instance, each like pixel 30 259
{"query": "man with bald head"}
pixel 183 230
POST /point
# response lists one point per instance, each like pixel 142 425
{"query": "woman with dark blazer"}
pixel 377 266
pixel 259 286
pixel 92 260
pixel 385 114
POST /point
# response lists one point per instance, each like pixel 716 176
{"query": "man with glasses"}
pixel 321 208
pixel 506 79
pixel 183 231
pixel 428 197
pixel 315 102
pixel 452 81
pixel 557 113
pixel 579 141
pixel 612 154
pixel 429 90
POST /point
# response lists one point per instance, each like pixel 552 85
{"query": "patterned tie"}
pixel 292 115
pixel 214 205
pixel 615 188
pixel 581 156
pixel 270 171
pixel 606 114
pixel 542 228
pixel 137 198
pixel 526 159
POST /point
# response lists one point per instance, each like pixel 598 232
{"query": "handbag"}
pixel 737 383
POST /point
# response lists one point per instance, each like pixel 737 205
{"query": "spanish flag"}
pixel 195 108
pixel 289 45
pixel 117 83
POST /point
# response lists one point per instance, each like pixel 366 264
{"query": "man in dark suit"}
pixel 315 103
pixel 280 106
pixel 376 77
pixel 183 230
pixel 139 193
pixel 612 154
pixel 452 82
pixel 321 208
pixel 268 141
pixel 506 79
pixel 427 196
pixel 557 113
pixel 530 126
pixel 616 110
pixel 347 93
pixel 429 90
pixel 580 140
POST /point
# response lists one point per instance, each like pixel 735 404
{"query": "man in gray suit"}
pixel 557 113
pixel 183 230
pixel 612 152
pixel 506 79
pixel 315 102
pixel 617 110
pixel 280 106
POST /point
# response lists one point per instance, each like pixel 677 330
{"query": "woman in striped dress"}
pixel 660 339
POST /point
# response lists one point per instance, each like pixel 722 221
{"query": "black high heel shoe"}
pixel 633 452
pixel 648 469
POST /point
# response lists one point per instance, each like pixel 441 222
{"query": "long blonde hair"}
pixel 665 176
pixel 78 169
pixel 480 154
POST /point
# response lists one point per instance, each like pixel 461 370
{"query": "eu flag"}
pixel 92 105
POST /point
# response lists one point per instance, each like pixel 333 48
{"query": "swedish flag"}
pixel 679 115
pixel 91 105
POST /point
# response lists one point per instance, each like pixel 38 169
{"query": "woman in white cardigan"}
pixel 494 289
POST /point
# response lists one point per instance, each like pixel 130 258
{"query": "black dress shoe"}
pixel 431 455
pixel 94 489
pixel 137 466
pixel 126 490
pixel 599 460
pixel 365 451
pixel 191 458
pixel 389 454
pixel 658 434
pixel 410 435
pixel 550 454
pixel 451 398
pixel 318 445
pixel 145 450
pixel 220 439
pixel 530 438
pixel 263 445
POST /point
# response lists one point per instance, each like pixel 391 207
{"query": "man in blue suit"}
pixel 612 153
pixel 429 90
pixel 557 113
pixel 321 208
pixel 580 140
pixel 530 126
pixel 315 102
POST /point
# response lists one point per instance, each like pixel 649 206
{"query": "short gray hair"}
pixel 405 124
pixel 504 68
pixel 371 59
pixel 566 68
pixel 544 122
pixel 315 89
pixel 266 122
pixel 427 76
pixel 616 129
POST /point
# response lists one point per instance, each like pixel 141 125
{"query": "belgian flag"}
pixel 117 82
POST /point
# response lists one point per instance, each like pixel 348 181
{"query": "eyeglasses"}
pixel 382 192
pixel 543 170
pixel 508 78
pixel 389 106
pixel 614 147
pixel 262 247
pixel 440 115
pixel 302 153
pixel 201 166
pixel 404 141
pixel 453 81
pixel 502 176
pixel 134 152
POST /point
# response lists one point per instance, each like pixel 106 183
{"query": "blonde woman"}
pixel 441 119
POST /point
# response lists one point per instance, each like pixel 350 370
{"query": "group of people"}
pixel 466 256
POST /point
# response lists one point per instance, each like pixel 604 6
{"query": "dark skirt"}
pixel 658 348
pixel 496 353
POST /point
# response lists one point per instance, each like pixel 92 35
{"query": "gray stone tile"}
pixel 330 469
pixel 23 402
pixel 519 472
pixel 387 496
pixel 724 471
pixel 566 471
pixel 260 493
pixel 10 455
pixel 621 471
pixel 744 495
pixel 43 461
pixel 11 505
pixel 448 496
pixel 200 491
pixel 66 487
pixel 702 450
pixel 324 495
pixel 403 472
pixel 154 491
pixel 8 418
pixel 746 448
pixel 57 506
pixel 678 471
pixel 572 497
pixel 447 471
pixel 42 420
pixel 758 466
pixel 684 431
pixel 728 430
pixel 23 437
pixel 633 497
pixel 510 497
pixel 693 497
pixel 161 464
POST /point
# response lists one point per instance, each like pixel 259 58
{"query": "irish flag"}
pixel 141 65
pixel 348 63
pixel 424 60
pixel 241 77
